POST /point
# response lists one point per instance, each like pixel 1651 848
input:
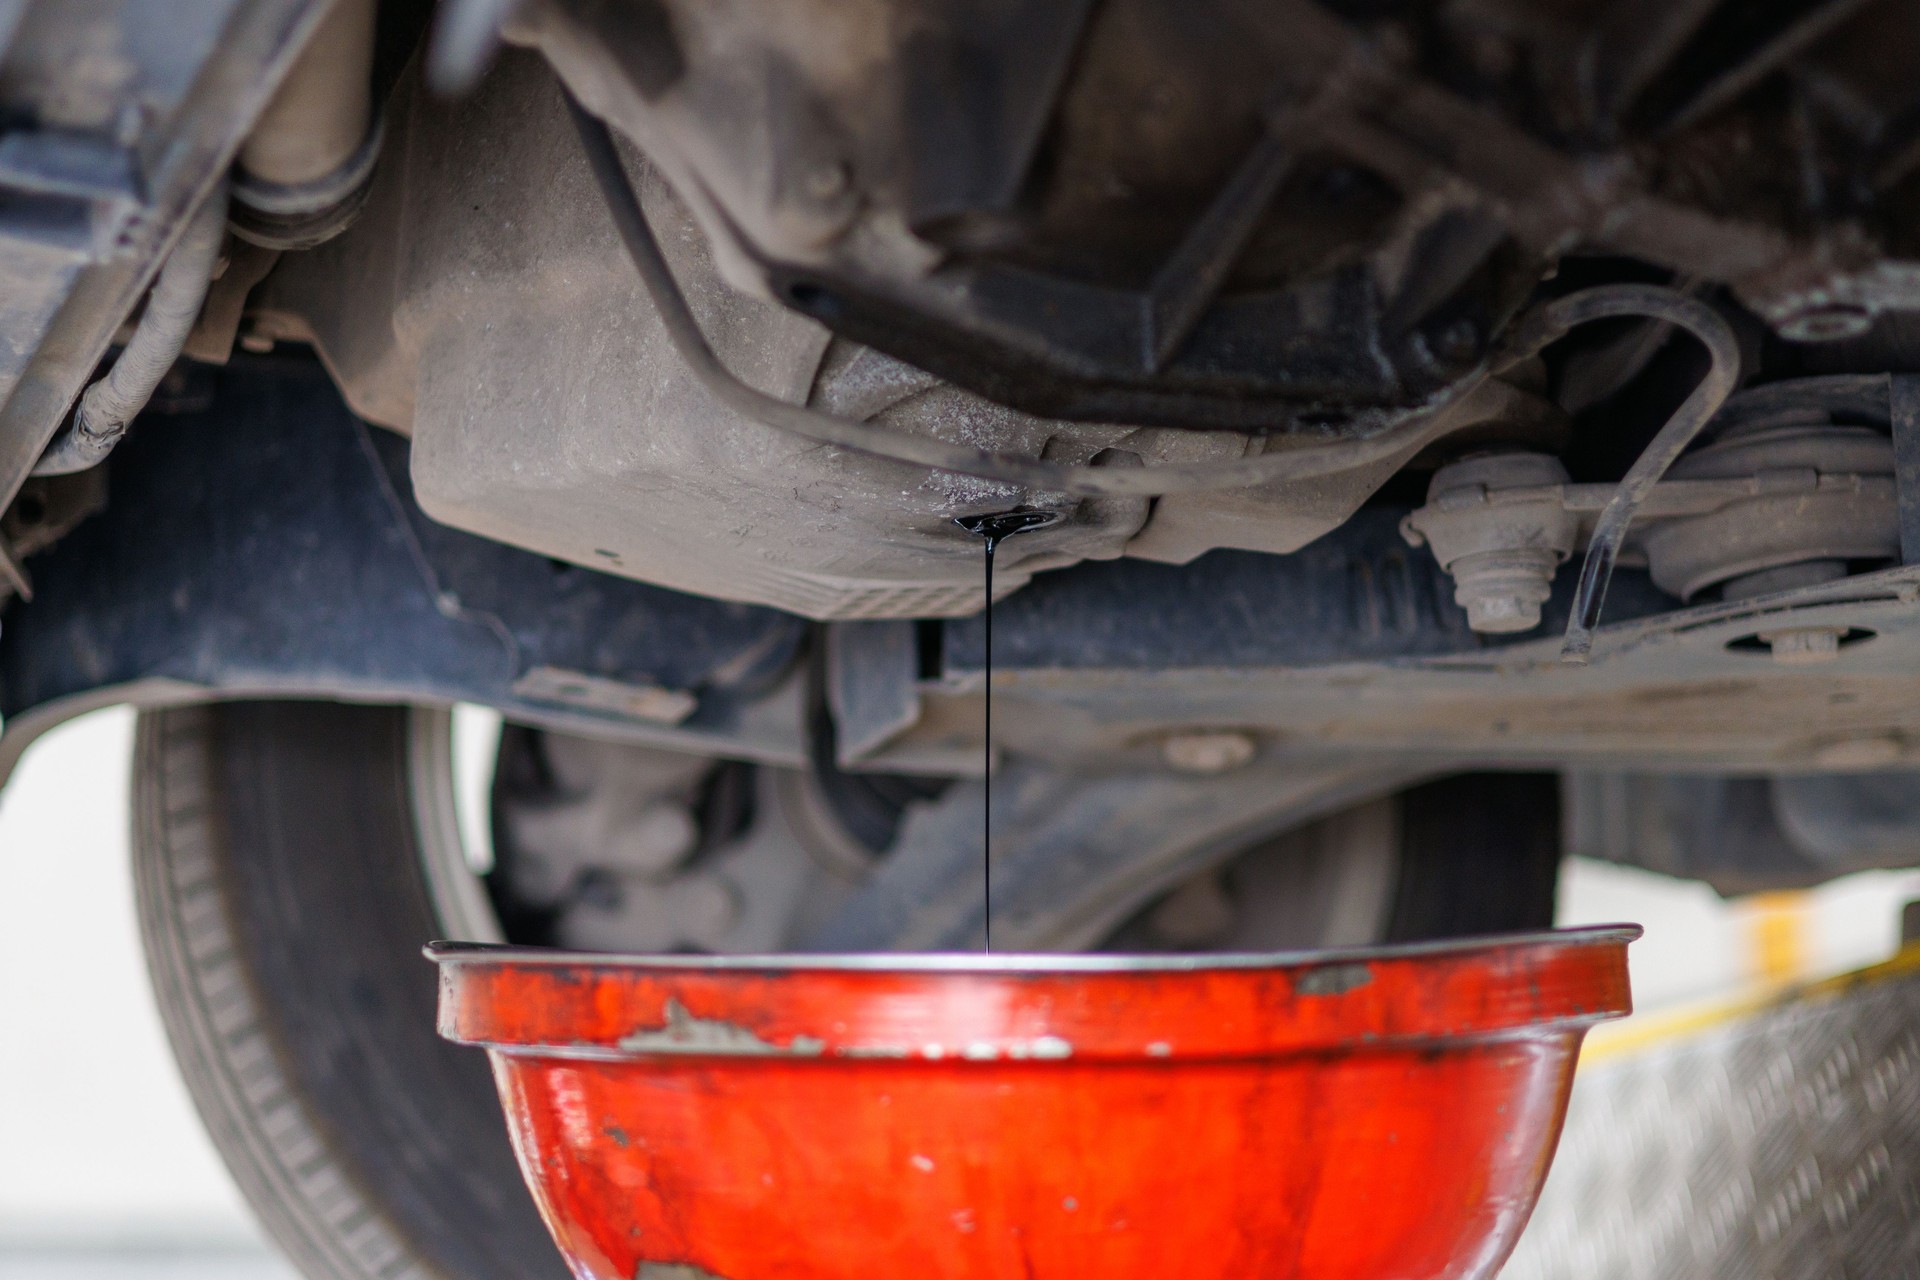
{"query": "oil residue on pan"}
pixel 1373 1113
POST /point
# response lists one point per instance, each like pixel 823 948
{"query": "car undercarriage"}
pixel 1455 434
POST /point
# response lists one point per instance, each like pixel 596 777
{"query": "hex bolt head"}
pixel 1498 524
pixel 1804 646
pixel 1503 591
pixel 1208 751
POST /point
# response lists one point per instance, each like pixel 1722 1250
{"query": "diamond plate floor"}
pixel 1780 1144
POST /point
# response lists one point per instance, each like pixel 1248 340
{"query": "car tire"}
pixel 283 936
pixel 1479 853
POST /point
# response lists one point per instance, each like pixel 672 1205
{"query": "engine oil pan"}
pixel 1383 1113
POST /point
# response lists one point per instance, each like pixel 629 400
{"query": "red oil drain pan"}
pixel 1335 1116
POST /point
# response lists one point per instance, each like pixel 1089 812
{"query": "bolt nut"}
pixel 1208 751
pixel 1498 523
pixel 1503 591
pixel 1804 646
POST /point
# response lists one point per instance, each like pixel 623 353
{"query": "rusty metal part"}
pixel 1038 1117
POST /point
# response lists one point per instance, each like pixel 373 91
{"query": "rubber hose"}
pixel 1723 375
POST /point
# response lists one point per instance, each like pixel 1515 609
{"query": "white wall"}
pixel 1698 946
pixel 98 1141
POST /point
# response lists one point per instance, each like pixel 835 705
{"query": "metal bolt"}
pixel 1502 591
pixel 1497 523
pixel 1804 646
pixel 1208 751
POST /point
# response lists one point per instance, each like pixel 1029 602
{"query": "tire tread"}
pixel 272 1128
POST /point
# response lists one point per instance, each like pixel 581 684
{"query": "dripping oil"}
pixel 993 529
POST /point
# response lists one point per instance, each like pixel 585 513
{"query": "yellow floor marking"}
pixel 1633 1035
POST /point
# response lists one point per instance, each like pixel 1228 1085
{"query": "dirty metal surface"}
pixel 1059 237
pixel 1784 1145
pixel 87 212
pixel 549 323
pixel 1098 661
pixel 268 545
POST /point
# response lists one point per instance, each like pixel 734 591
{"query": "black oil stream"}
pixel 993 529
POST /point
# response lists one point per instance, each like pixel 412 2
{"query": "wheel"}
pixel 1476 853
pixel 608 847
pixel 293 857
pixel 1479 853
pixel 284 901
